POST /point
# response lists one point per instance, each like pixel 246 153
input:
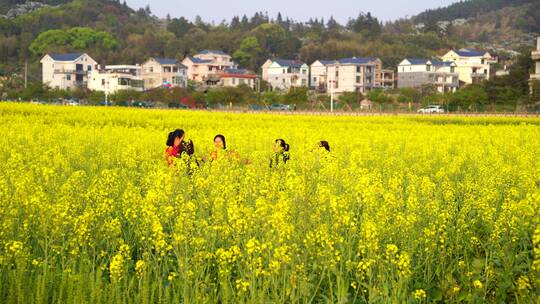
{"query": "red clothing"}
pixel 171 152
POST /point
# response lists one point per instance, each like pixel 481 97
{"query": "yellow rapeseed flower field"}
pixel 404 209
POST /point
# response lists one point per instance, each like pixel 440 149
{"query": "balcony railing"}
pixel 63 71
pixel 535 55
pixel 535 76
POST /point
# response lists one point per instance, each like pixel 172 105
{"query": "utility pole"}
pixel 25 74
pixel 332 83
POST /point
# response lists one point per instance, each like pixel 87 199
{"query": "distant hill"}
pixel 467 9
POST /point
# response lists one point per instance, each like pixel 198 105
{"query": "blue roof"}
pixel 470 53
pixel 357 60
pixel 205 52
pixel 66 57
pixel 166 61
pixel 289 63
pixel 327 62
pixel 441 63
pixel 198 60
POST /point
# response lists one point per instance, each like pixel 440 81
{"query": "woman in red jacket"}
pixel 174 145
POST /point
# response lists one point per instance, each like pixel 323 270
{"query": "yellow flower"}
pixel 139 267
pixel 419 294
pixel 478 284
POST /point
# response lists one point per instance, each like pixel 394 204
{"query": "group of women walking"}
pixel 177 145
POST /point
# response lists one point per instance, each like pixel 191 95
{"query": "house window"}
pixel 452 69
pixel 103 82
pixel 314 79
pixel 428 67
pixel 358 79
pixel 89 68
pixel 483 61
pixel 234 81
pixel 151 69
pixel 167 69
pixel 358 70
pixel 175 69
pixel 68 77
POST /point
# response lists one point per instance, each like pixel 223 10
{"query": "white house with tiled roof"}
pixel 67 71
pixel 205 65
pixel 356 74
pixel 472 66
pixel 415 73
pixel 163 72
pixel 283 74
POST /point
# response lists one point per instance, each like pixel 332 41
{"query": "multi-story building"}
pixel 385 79
pixel 236 77
pixel 67 71
pixel 416 73
pixel 472 66
pixel 352 75
pixel 114 78
pixel 536 58
pixel 282 74
pixel 205 65
pixel 159 72
pixel 319 74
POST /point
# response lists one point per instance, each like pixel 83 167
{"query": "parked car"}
pixel 256 107
pixel 281 107
pixel 177 105
pixel 141 104
pixel 431 109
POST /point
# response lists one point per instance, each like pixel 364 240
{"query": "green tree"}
pixel 78 38
pixel 250 54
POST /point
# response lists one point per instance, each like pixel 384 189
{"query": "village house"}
pixel 159 72
pixel 352 69
pixel 416 73
pixel 114 78
pixel 207 64
pixel 319 75
pixel 352 75
pixel 236 77
pixel 67 71
pixel 282 74
pixel 536 58
pixel 472 66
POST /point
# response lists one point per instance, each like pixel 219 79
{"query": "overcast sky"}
pixel 299 10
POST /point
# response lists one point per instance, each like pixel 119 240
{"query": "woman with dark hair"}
pixel 281 153
pixel 220 148
pixel 219 142
pixel 174 145
pixel 324 144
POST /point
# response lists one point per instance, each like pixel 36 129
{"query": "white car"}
pixel 431 109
